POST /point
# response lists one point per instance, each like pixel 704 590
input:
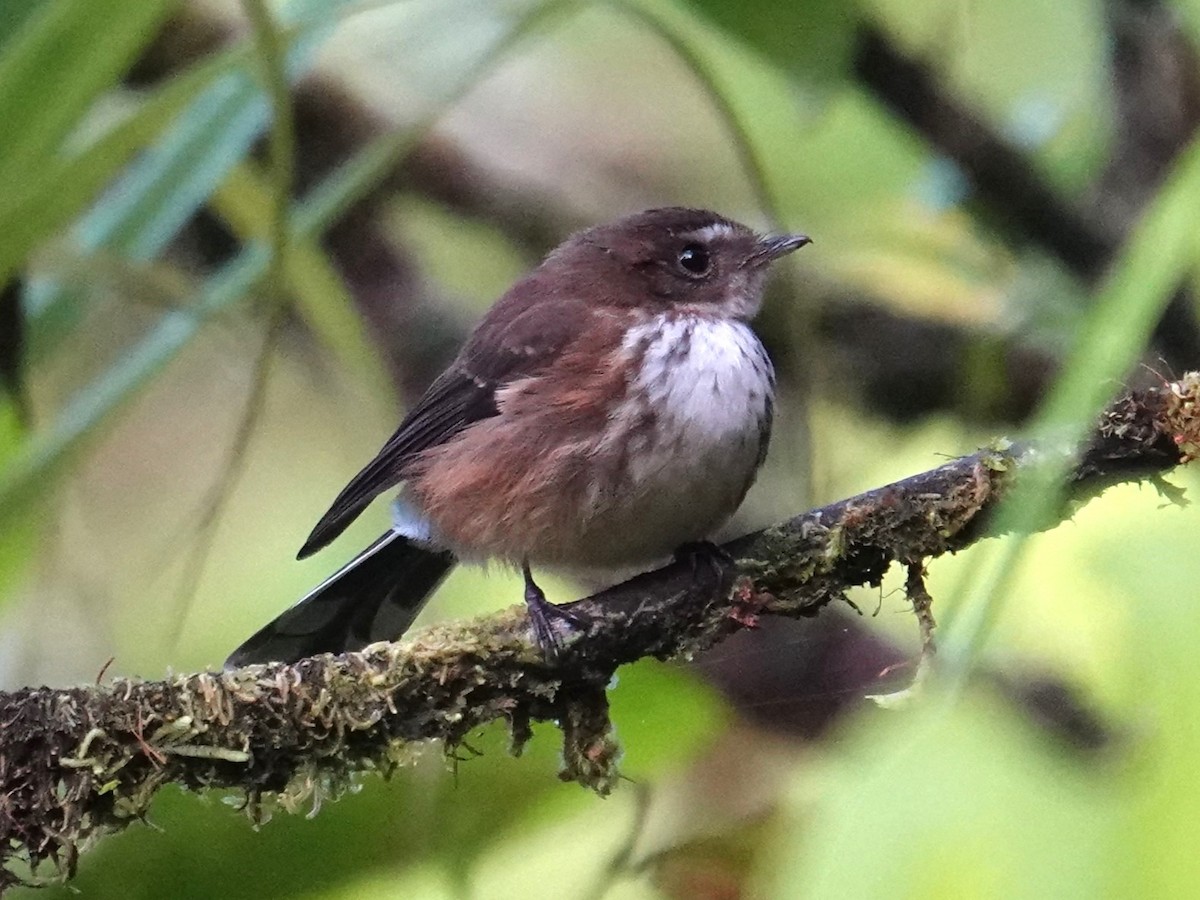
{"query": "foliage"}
pixel 179 402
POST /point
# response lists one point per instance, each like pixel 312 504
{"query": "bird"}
pixel 612 408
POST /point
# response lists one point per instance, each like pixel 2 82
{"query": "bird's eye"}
pixel 694 260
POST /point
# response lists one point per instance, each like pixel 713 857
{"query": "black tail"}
pixel 374 597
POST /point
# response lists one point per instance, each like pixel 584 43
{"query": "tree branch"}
pixel 81 762
pixel 1006 179
pixel 1003 175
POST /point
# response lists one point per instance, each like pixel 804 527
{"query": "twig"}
pixel 1004 177
pixel 1001 173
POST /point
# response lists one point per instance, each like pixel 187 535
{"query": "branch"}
pixel 81 762
pixel 1005 178
pixel 1002 174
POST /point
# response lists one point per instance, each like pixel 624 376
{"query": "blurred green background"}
pixel 236 238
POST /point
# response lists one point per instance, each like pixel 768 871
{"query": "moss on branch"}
pixel 84 761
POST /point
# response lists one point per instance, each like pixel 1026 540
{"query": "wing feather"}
pixel 501 350
pixel 454 401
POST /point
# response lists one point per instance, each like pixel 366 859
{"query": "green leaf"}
pixel 34 466
pixel 45 456
pixel 925 804
pixel 14 14
pixel 54 193
pixel 18 542
pixel 150 202
pixel 60 59
pixel 319 295
pixel 811 41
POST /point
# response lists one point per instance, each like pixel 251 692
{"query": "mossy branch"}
pixel 77 763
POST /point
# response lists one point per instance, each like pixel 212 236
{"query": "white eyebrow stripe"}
pixel 710 232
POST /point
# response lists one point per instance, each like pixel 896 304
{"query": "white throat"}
pixel 711 376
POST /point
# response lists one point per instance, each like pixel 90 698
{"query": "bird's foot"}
pixel 542 616
pixel 707 554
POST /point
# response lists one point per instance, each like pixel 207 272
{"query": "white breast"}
pixel 694 429
pixel 711 377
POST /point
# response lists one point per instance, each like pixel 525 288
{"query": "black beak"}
pixel 772 246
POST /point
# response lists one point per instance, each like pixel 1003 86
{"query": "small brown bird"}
pixel 612 407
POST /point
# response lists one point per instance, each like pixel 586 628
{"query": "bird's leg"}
pixel 707 553
pixel 541 611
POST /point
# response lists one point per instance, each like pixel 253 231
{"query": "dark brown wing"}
pixel 504 347
pixel 453 402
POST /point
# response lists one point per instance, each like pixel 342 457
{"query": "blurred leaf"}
pixel 727 83
pixel 569 856
pixel 49 196
pixel 1189 13
pixel 422 882
pixel 1161 252
pixel 18 541
pixel 790 165
pixel 928 804
pixel 978 800
pixel 930 267
pixel 28 475
pixel 13 14
pixel 811 41
pixel 321 299
pixel 54 67
pixel 1149 576
pixel 510 24
pixel 469 258
pixel 281 142
pixel 148 205
pixel 1158 256
pixel 664 715
pixel 12 347
pixel 432 811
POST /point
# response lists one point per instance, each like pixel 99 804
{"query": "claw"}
pixel 541 614
pixel 716 558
